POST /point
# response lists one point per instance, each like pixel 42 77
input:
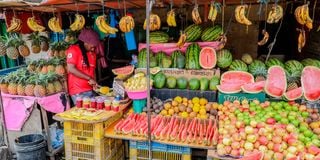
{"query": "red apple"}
pixel 291 156
pixel 235 145
pixel 235 152
pixel 236 137
pixel 228 149
pixel 277 148
pixel 243 135
pixel 293 150
pixel 280 132
pixel 278 156
pixel 302 108
pixel 262 132
pixel 241 151
pixel 313 150
pixel 263 140
pixel 239 124
pixel 271 121
pixel 256 145
pixel 261 125
pixel 292 141
pixel 269 128
pixel 284 145
pixel 277 139
pixel 242 143
pixel 252 138
pixel 248 146
pixel 270 145
pixel 309 156
pixel 253 124
pixel 249 130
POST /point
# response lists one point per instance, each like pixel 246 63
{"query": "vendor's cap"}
pixel 89 36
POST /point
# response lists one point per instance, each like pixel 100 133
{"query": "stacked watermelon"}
pixel 193 32
pixel 192 56
pixel 211 33
pixel 159 37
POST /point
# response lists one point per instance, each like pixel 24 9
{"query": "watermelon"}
pixel 207 58
pixel 293 94
pixel 229 88
pixel 214 81
pixel 194 84
pixel 276 83
pixel 310 62
pixel 193 32
pixel 255 87
pixel 231 81
pixel 211 34
pixel 166 62
pixel 310 82
pixel 159 56
pixel 126 70
pixel 153 61
pixel 192 56
pixel 182 83
pixel 178 60
pixel 204 84
pixel 142 58
pixel 158 37
pixel 171 82
pixel 294 68
pixel 159 80
pixel 238 65
pixel 257 68
pixel 224 58
pixel 274 62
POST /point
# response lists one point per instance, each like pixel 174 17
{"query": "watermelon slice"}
pixel 253 156
pixel 229 88
pixel 207 58
pixel 239 77
pixel 294 94
pixel 276 83
pixel 255 87
pixel 310 82
pixel 126 70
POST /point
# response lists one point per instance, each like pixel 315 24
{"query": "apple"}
pixel 277 148
pixel 236 137
pixel 270 145
pixel 241 129
pixel 235 145
pixel 241 151
pixel 302 108
pixel 277 139
pixel 243 135
pixel 235 152
pixel 262 131
pixel 248 146
pixel 278 156
pixel 313 150
pixel 269 128
pixel 291 128
pixel 292 141
pixel 309 156
pixel 226 141
pixel 248 130
pixel 284 145
pixel 291 156
pixel 251 138
pixel 221 151
pixel 253 123
pixel 228 149
pixel 269 136
pixel 292 149
pixel 280 132
pixel 242 143
pixel 220 146
pixel 263 148
pixel 267 156
pixel 239 124
pixel 256 145
pixel 271 121
pixel 261 125
pixel 263 140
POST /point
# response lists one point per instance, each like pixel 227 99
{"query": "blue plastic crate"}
pixel 142 145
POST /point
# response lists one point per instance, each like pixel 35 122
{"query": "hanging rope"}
pixel 265 17
pixel 222 15
pixel 124 7
pixel 103 11
pixel 314 9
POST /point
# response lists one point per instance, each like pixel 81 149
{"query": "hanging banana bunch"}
pixel 196 15
pixel 155 22
pixel 78 23
pixel 182 40
pixel 302 16
pixel 240 15
pixel 15 25
pixel 126 24
pixel 54 24
pixel 171 18
pixel 264 39
pixel 275 14
pixel 104 27
pixel 301 39
pixel 215 8
pixel 34 26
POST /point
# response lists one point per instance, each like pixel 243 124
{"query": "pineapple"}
pixel 57 85
pixel 12 87
pixel 32 66
pixel 40 89
pixel 12 52
pixel 50 86
pixel 21 86
pixel 29 89
pixel 51 67
pixel 22 47
pixel 2 47
pixel 4 85
pixel 292 85
pixel 59 66
pixel 35 42
pixel 260 78
pixel 44 44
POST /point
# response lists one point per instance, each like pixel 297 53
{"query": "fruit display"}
pixel 207 58
pixel 160 81
pixel 78 23
pixel 55 65
pixel 241 15
pixel 238 65
pixel 54 25
pixel 158 37
pixel 211 34
pixel 58 49
pixel 310 80
pixel 171 18
pixel 231 81
pixel 275 14
pixel 278 129
pixel 138 82
pixel 126 24
pixel 302 16
pixel 215 7
pixel 173 129
pixel 276 83
pixel 155 22
pixel 192 56
pixel 15 25
pixel 224 58
pixel 196 15
pixel 34 25
pixel 25 83
pixel 103 26
pixel 38 42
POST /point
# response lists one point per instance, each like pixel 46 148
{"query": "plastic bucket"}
pixel 138 105
pixel 30 147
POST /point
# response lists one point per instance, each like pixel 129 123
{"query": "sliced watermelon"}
pixel 276 83
pixel 207 58
pixel 126 70
pixel 253 156
pixel 294 94
pixel 255 87
pixel 310 82
pixel 236 77
pixel 229 88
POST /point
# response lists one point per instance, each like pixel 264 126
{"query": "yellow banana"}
pixel 15 25
pixel 275 14
pixel 104 27
pixel 213 12
pixel 196 16
pixel 171 19
pixel 298 15
pixel 54 24
pixel 301 39
pixel 306 17
pixel 126 24
pixel 155 23
pixel 240 15
pixel 78 23
pixel 264 39
pixel 34 26
pixel 318 29
pixel 222 42
pixel 182 40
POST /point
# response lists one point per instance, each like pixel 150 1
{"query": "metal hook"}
pixel 88 10
pixel 125 7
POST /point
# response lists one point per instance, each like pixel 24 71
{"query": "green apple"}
pixel 316 142
pixel 295 123
pixel 308 133
pixel 291 118
pixel 305 114
pixel 277 117
pixel 302 129
pixel 301 137
pixel 284 121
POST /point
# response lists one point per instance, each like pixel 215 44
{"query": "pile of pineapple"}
pixel 25 83
pixel 44 66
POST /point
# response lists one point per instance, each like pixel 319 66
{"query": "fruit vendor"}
pixel 81 61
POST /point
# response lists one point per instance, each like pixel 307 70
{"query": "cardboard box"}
pixel 241 96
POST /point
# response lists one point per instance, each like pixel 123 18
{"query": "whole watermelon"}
pixel 166 62
pixel 294 68
pixel 182 83
pixel 224 58
pixel 211 33
pixel 159 80
pixel 274 62
pixel 194 84
pixel 204 84
pixel 158 37
pixel 214 81
pixel 178 60
pixel 257 68
pixel 153 61
pixel 238 65
pixel 142 58
pixel 159 56
pixel 310 62
pixel 192 56
pixel 193 32
pixel 171 82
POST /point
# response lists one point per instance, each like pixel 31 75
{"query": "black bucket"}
pixel 30 147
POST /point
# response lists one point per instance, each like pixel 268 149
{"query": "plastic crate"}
pixel 87 131
pixel 165 94
pixel 98 150
pixel 139 151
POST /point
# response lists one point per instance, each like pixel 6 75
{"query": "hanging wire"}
pixel 265 17
pixel 247 27
pixel 77 7
pixel 314 9
pixel 125 7
pixel 102 3
pixel 88 10
pixel 241 2
pixel 222 14
pixel 171 4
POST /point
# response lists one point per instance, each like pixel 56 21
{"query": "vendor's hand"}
pixel 92 82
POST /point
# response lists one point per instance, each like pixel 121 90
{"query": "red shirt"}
pixel 78 85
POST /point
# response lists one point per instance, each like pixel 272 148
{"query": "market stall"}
pixel 193 84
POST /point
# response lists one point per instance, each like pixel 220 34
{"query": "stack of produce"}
pixel 58 49
pixel 180 130
pixel 203 84
pixel 56 65
pixel 138 82
pixel 38 42
pixel 278 129
pixel 24 83
pixel 13 46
